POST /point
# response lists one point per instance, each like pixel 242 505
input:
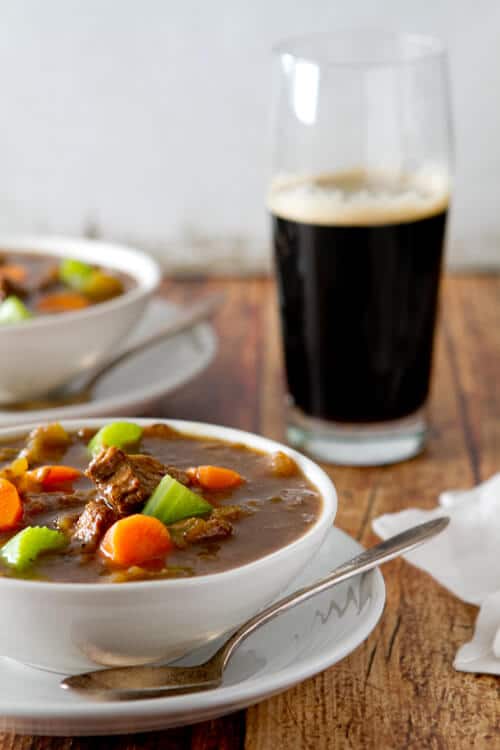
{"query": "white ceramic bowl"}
pixel 72 627
pixel 46 352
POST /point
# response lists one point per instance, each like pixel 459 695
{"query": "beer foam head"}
pixel 359 198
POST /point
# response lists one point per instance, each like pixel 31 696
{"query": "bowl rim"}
pixel 325 487
pixel 47 244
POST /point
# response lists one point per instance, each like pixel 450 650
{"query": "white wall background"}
pixel 147 120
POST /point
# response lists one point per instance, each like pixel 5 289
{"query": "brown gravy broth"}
pixel 279 509
pixel 41 278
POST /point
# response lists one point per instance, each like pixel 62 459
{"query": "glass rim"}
pixel 414 48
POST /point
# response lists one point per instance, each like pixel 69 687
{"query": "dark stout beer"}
pixel 358 263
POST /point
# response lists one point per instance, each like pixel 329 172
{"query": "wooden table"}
pixel 397 690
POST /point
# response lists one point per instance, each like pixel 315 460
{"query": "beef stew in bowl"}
pixel 39 284
pixel 72 626
pixel 129 502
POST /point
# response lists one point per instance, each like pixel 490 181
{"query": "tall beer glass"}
pixel 358 199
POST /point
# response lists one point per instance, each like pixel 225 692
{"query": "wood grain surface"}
pixel 399 689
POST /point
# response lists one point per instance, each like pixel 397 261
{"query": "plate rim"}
pixel 157 713
pixel 137 397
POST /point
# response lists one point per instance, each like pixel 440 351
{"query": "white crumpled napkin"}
pixel 465 558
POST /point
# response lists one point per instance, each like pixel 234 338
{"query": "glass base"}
pixel 357 444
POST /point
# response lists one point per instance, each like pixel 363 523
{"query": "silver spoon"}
pixel 132 683
pixel 81 389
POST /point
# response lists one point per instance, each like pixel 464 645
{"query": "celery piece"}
pixel 23 549
pixel 119 434
pixel 171 502
pixel 74 273
pixel 12 310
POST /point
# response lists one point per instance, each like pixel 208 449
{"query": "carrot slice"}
pixel 11 508
pixel 62 302
pixel 217 477
pixel 13 273
pixel 136 539
pixel 51 477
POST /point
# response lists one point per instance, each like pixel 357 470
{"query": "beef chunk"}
pixel 45 278
pixel 92 524
pixel 9 287
pixel 67 522
pixel 208 531
pixel 160 430
pixel 48 502
pixel 195 530
pixel 231 512
pixel 5 289
pixel 282 465
pixel 85 434
pixel 125 481
pixel 178 474
pixel 46 443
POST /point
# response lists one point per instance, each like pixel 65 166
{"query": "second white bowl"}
pixel 46 352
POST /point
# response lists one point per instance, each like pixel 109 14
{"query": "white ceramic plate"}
pixel 132 386
pixel 293 647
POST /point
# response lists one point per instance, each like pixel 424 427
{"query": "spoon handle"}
pixel 370 558
pixel 132 683
pixel 183 321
